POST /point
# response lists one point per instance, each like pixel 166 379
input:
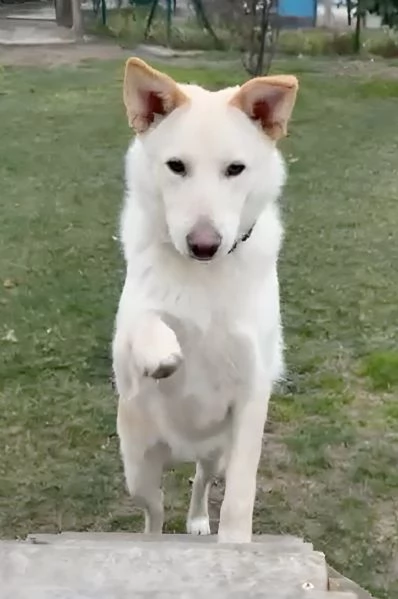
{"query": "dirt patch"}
pixel 72 54
pixel 365 68
pixel 61 54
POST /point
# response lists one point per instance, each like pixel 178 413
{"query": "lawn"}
pixel 330 464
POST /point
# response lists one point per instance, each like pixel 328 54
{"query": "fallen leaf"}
pixel 10 336
pixel 9 283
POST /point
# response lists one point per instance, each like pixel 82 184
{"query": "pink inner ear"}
pixel 153 105
pixel 262 112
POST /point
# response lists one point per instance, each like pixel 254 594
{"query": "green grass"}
pixel 321 42
pixel 329 470
pixel 129 26
pixel 382 369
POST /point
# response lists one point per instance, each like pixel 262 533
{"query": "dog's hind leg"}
pixel 144 477
pixel 143 466
pixel 198 514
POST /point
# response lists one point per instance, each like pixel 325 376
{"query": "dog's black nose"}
pixel 203 241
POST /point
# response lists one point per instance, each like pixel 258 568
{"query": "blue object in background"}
pixel 298 9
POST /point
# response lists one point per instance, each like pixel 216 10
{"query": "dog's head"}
pixel 212 156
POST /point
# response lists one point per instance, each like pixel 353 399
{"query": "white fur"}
pixel 217 323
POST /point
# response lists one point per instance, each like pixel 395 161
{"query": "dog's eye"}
pixel 234 169
pixel 177 167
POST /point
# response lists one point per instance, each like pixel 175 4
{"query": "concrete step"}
pixel 273 543
pixel 119 565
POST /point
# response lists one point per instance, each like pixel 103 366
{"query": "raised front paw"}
pixel 159 354
pixel 165 367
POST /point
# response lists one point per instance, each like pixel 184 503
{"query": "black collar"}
pixel 244 237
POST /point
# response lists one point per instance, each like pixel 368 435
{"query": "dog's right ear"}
pixel 148 94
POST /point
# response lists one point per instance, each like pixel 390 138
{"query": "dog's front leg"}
pixel 143 345
pixel 240 490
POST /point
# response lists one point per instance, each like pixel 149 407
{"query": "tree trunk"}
pixel 264 32
pixel 349 13
pixel 77 18
pixel 357 37
pixel 63 13
pixel 328 18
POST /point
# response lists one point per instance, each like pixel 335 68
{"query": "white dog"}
pixel 198 340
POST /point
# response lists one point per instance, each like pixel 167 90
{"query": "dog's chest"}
pixel 196 402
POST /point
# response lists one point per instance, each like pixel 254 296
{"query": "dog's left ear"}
pixel 148 94
pixel 269 100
